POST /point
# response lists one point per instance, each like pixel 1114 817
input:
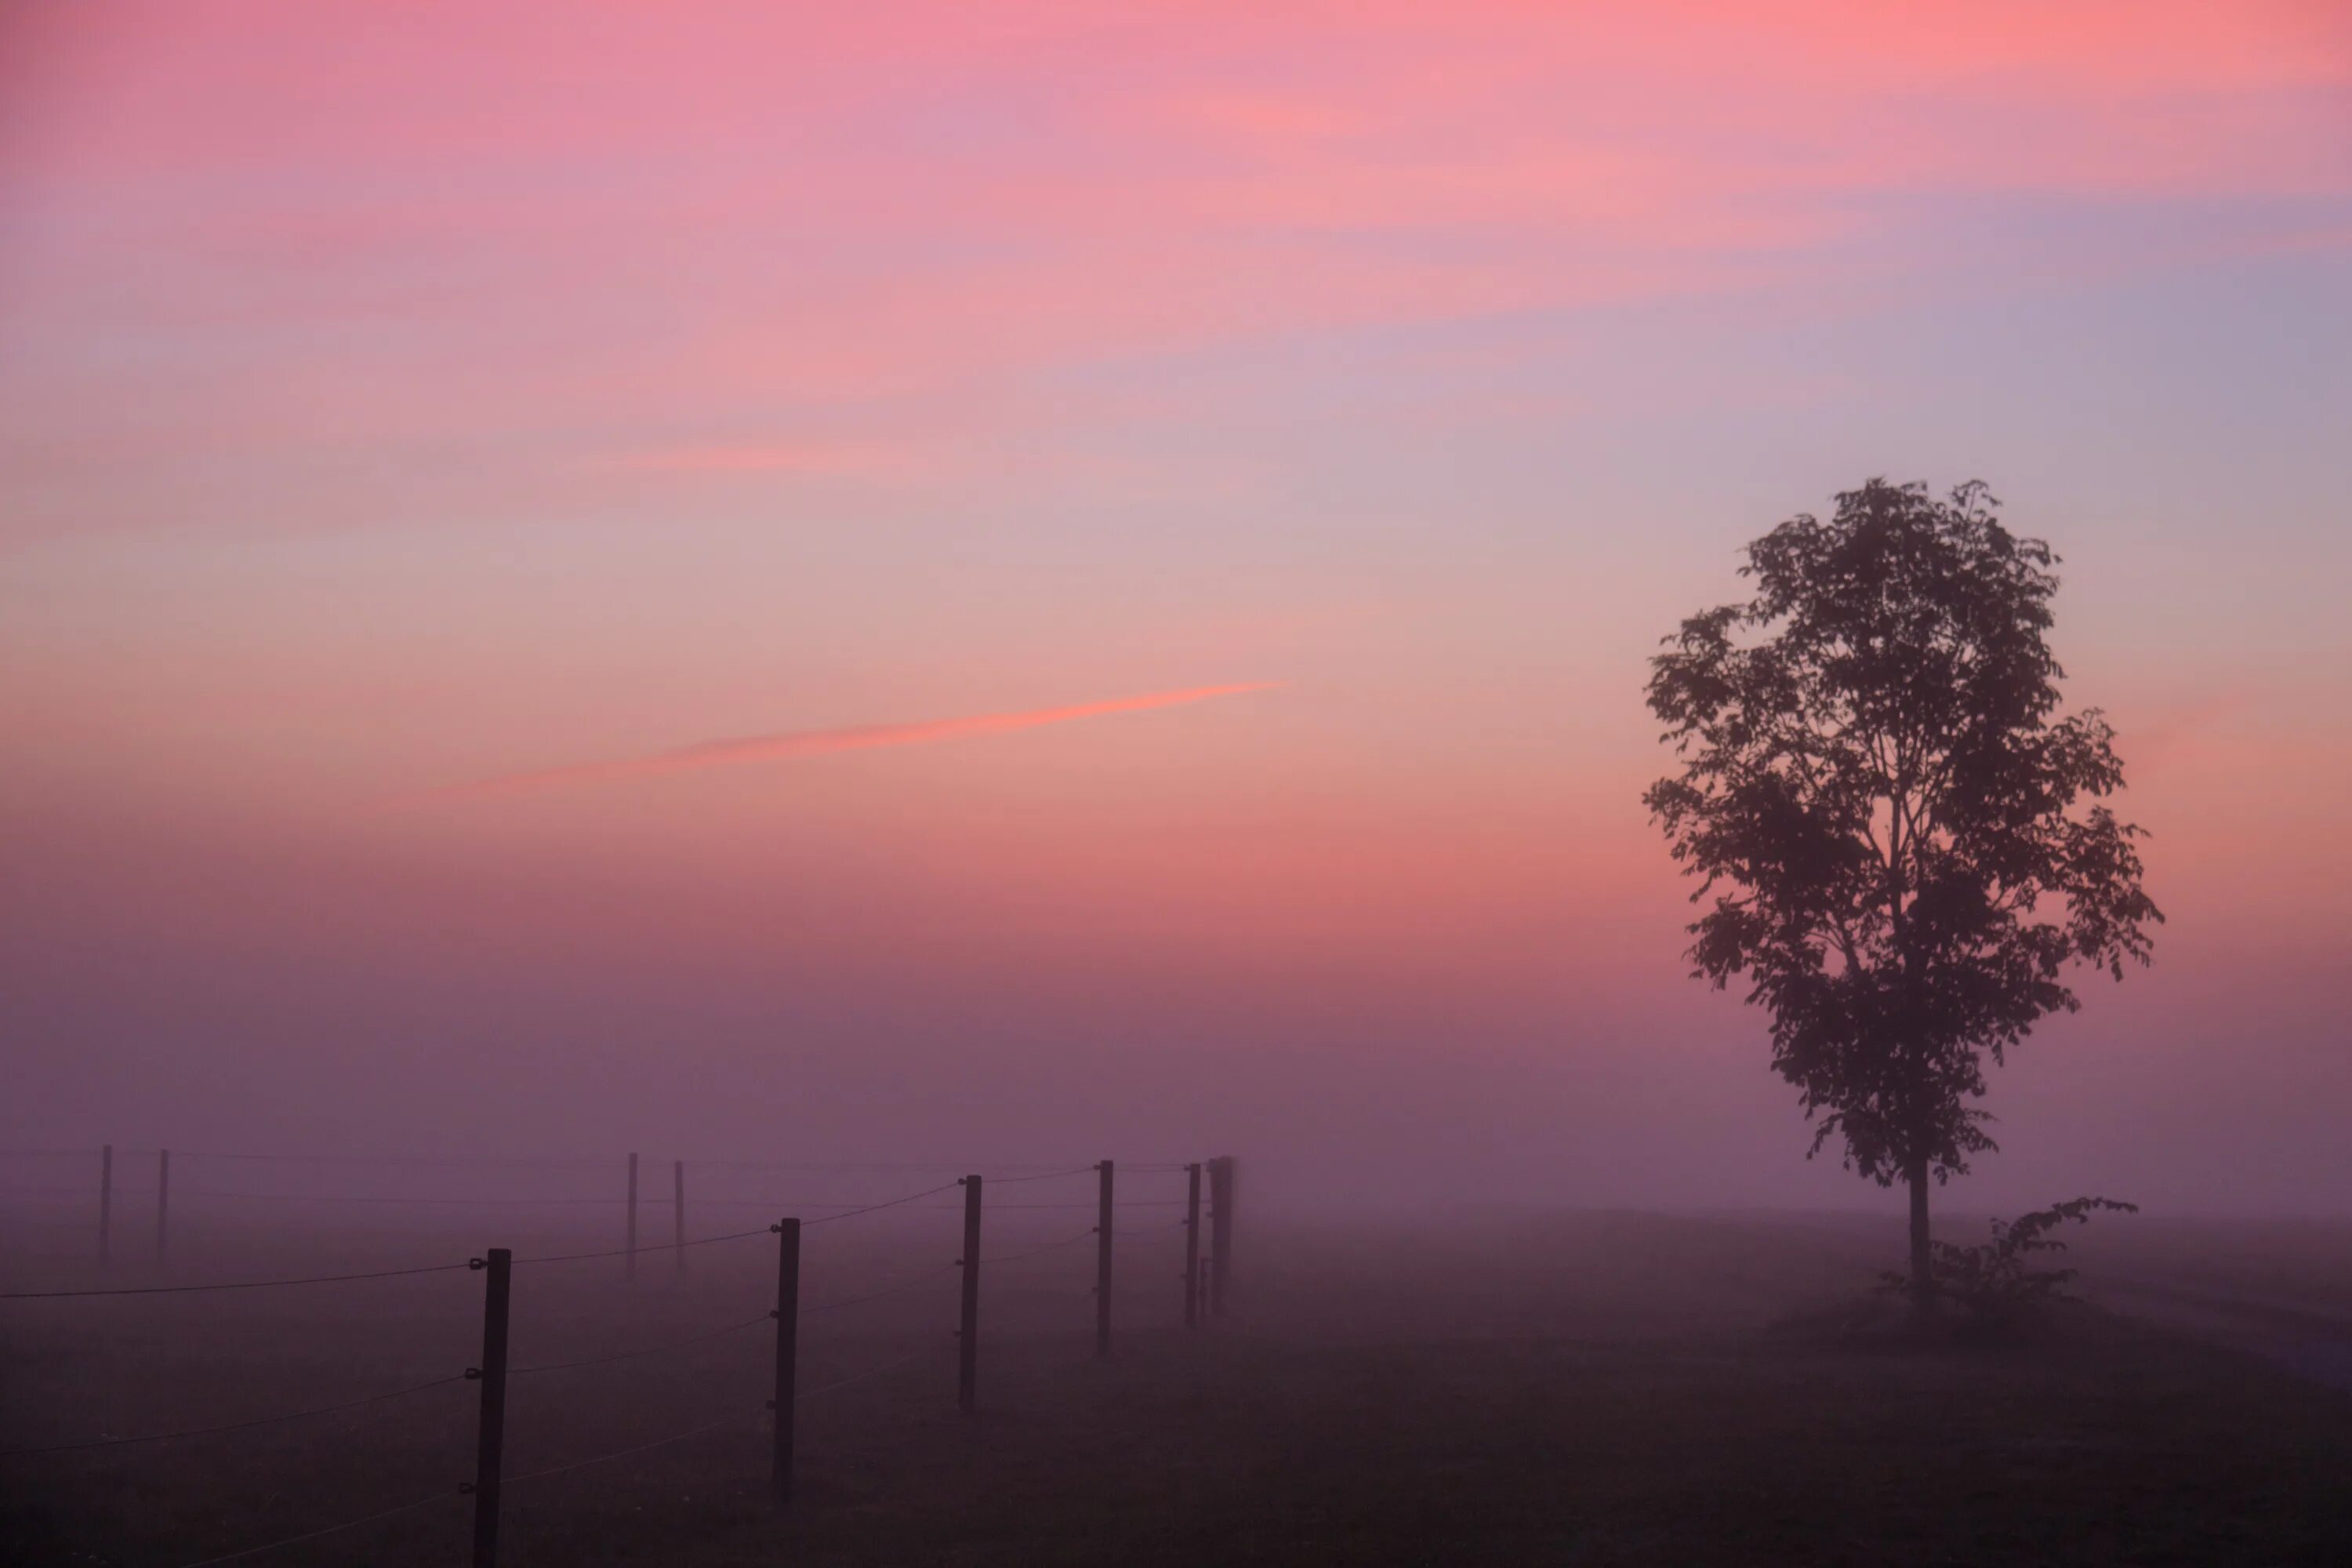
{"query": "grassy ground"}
pixel 1592 1389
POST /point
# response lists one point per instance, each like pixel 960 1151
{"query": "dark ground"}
pixel 1592 1388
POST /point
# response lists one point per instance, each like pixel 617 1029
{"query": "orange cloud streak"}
pixel 816 743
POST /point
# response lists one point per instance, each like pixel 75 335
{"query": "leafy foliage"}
pixel 1905 844
pixel 1996 1280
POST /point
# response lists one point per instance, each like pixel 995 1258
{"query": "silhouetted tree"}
pixel 1879 795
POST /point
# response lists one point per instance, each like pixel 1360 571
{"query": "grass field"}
pixel 1583 1388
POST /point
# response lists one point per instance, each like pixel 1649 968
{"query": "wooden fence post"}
pixel 162 1201
pixel 489 1447
pixel 1193 1244
pixel 1102 1264
pixel 968 1349
pixel 1220 1229
pixel 788 1328
pixel 106 1206
pixel 629 1268
pixel 677 1212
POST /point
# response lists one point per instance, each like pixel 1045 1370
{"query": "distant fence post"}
pixel 106 1206
pixel 162 1201
pixel 488 1449
pixel 788 1329
pixel 1221 1225
pixel 968 1347
pixel 677 1212
pixel 1193 1244
pixel 1102 1264
pixel 629 1269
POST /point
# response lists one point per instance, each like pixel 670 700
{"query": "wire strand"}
pixel 232 1425
pixel 892 1204
pixel 313 1535
pixel 648 1246
pixel 878 1295
pixel 438 1161
pixel 1049 1246
pixel 231 1284
pixel 355 1198
pixel 625 1453
pixel 983 1166
pixel 871 1372
pixel 646 1350
pixel 1046 1175
pixel 1179 1223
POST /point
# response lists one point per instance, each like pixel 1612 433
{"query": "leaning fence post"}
pixel 1102 1264
pixel 492 1374
pixel 162 1201
pixel 1193 1244
pixel 968 1347
pixel 788 1329
pixel 677 1212
pixel 630 1267
pixel 105 1205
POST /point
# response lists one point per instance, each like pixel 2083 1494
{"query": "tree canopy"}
pixel 1903 843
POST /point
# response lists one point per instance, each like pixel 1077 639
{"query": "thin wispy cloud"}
pixel 818 743
pixel 823 458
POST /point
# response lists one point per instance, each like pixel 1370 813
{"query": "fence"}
pixel 1205 1279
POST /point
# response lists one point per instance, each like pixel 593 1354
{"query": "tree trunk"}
pixel 1923 1286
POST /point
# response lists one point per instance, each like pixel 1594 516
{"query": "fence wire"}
pixel 317 1534
pixel 703 1338
pixel 1007 1177
pixel 1086 1234
pixel 236 1425
pixel 900 1288
pixel 230 1284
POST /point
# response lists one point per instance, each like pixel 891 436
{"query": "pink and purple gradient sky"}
pixel 396 398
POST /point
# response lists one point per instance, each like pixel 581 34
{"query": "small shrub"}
pixel 1998 1281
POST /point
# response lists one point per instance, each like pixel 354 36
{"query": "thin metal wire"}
pixel 1049 1246
pixel 894 1203
pixel 871 1372
pixel 878 1295
pixel 233 1425
pixel 1046 1175
pixel 715 1426
pixel 740 1234
pixel 766 1205
pixel 313 1535
pixel 353 1198
pixel 983 1166
pixel 646 1350
pixel 231 1284
pixel 648 1246
pixel 459 1163
pixel 788 1205
pixel 625 1453
pixel 1179 1223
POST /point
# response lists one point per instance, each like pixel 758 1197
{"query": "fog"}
pixel 908 784
pixel 287 991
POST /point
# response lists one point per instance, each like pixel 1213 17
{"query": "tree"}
pixel 1905 844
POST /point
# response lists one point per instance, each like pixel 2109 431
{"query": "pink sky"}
pixel 394 398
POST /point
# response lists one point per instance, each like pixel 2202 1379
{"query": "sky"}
pixel 1053 580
